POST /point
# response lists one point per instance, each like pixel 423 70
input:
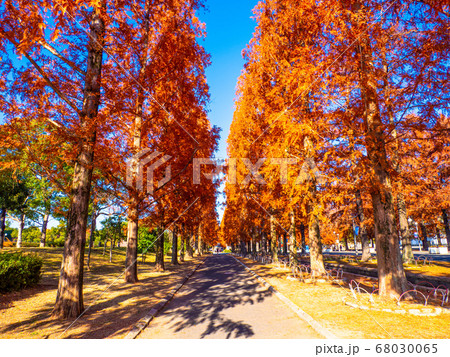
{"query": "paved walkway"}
pixel 222 300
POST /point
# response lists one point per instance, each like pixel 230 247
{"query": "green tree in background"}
pixel 13 196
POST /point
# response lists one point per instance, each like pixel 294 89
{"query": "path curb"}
pixel 302 314
pixel 143 322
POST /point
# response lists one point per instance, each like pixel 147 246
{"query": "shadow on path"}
pixel 220 284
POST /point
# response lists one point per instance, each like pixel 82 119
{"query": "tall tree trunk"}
pixel 315 241
pixel 189 245
pixel 273 240
pixel 132 237
pixel 196 241
pixel 391 276
pixel 2 227
pixel 362 228
pixel 69 298
pixel 20 233
pixel 407 253
pixel 183 241
pixel 303 237
pixel 133 208
pixel 315 246
pixel 310 177
pixel 200 241
pixel 91 238
pixel 159 259
pixel 423 231
pixel 438 235
pixel 111 244
pixel 446 226
pixel 174 246
pixel 263 243
pixel 346 242
pixel 293 261
pixel 44 231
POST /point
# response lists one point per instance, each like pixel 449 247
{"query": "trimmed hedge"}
pixel 18 271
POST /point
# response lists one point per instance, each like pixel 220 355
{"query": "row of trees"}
pixel 25 198
pixel 347 102
pixel 89 86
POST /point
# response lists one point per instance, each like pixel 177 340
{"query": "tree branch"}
pixel 44 75
pixel 61 57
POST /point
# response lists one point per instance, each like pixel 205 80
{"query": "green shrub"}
pixel 18 271
pixel 58 242
pixel 30 244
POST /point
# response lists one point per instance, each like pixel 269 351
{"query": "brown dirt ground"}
pixel 324 302
pixel 26 313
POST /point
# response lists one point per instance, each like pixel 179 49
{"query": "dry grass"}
pixel 435 268
pixel 324 302
pixel 26 314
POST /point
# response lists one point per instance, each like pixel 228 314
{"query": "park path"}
pixel 222 300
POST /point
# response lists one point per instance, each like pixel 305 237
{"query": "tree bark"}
pixel 263 242
pixel 407 254
pixel 423 231
pixel 243 249
pixel 20 232
pixel 174 246
pixel 273 240
pixel 111 244
pixel 315 241
pixel 346 242
pixel 438 235
pixel 44 231
pixel 91 238
pixel 159 260
pixel 200 242
pixel 69 298
pixel 315 246
pixel 446 226
pixel 2 227
pixel 303 236
pixel 405 234
pixel 182 248
pixel 189 245
pixel 132 237
pixel 362 228
pixel 391 276
pixel 293 261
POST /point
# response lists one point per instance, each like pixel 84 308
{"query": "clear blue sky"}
pixel 229 28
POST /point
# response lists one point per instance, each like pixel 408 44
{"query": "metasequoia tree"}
pixel 159 114
pixel 359 83
pixel 66 87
